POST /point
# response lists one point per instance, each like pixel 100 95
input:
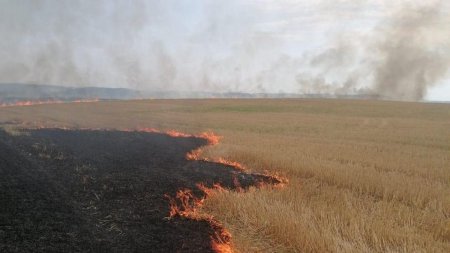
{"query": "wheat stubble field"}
pixel 364 176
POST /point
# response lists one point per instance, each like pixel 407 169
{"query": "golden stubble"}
pixel 364 176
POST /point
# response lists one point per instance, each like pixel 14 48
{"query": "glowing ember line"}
pixel 208 136
pixel 45 102
pixel 196 154
pixel 221 247
pixel 185 203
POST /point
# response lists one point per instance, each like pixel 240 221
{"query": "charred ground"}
pixel 104 191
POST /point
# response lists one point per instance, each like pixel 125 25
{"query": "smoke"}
pixel 391 49
pixel 412 55
pixel 406 53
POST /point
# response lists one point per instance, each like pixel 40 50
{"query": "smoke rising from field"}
pixel 406 53
pixel 413 56
pixel 393 50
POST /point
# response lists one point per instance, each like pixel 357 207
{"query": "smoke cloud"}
pixel 405 53
pixel 391 49
pixel 413 55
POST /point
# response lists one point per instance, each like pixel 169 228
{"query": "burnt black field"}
pixel 103 191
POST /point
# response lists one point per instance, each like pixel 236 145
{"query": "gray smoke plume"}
pixel 407 53
pixel 228 46
pixel 412 55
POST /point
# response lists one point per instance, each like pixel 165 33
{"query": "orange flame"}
pixel 236 165
pixel 210 190
pixel 210 137
pixel 185 203
pixel 44 102
pixel 221 247
pixel 212 140
pixel 173 133
pixel 194 154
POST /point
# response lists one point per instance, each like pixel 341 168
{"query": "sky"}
pixel 392 49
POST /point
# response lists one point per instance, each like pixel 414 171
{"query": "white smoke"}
pixel 393 49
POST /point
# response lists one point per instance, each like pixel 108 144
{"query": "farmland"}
pixel 364 176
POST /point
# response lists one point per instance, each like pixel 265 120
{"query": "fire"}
pixel 208 191
pixel 174 133
pixel 282 181
pixel 210 137
pixel 236 165
pixel 44 102
pixel 221 247
pixel 194 154
pixel 144 129
pixel 186 204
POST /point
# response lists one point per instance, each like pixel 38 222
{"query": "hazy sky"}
pixel 396 49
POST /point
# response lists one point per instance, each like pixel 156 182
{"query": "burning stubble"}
pixel 364 175
pixel 171 206
pixel 45 102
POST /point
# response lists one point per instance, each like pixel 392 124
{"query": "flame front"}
pixel 196 154
pixel 185 203
pixel 44 102
pixel 221 247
